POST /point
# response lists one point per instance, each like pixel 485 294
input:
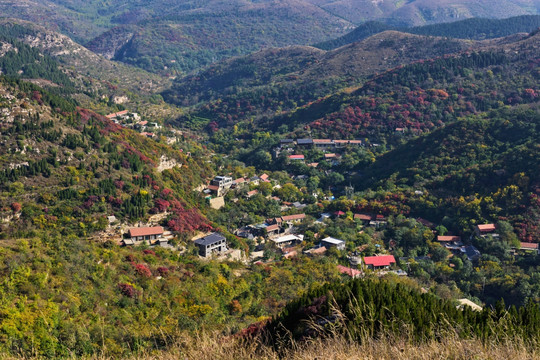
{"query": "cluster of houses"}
pixel 327 145
pixel 133 121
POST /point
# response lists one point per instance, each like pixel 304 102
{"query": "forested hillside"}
pixel 64 167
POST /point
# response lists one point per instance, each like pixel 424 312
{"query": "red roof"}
pixel 531 246
pixel 296 157
pixel 448 238
pixel 240 180
pixel 272 227
pixel 329 156
pixel 264 177
pixel 146 231
pixel 213 187
pixel 349 271
pixel 384 260
pixel 339 213
pixel 322 141
pixel 362 217
pixel 252 192
pixel 486 227
pixel 380 217
pixel 293 217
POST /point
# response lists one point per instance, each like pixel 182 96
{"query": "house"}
pixel 329 242
pixel 379 262
pixel 252 193
pixel 323 143
pixel 288 240
pixel 364 218
pixel 448 238
pixel 254 180
pixel 222 181
pixel 239 183
pixel 354 273
pixel 264 178
pixel 485 229
pixel 273 229
pixel 471 252
pixel 117 114
pixel 304 142
pixel 330 156
pixel 214 243
pixel 293 219
pixel 529 247
pixel 143 234
pixel 296 157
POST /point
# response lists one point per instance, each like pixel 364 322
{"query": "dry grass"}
pixel 216 347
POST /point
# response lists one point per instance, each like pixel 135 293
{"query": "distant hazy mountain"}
pixel 171 37
pixel 476 29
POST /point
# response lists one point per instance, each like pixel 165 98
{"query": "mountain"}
pixel 291 77
pixel 474 29
pixel 189 40
pixel 171 38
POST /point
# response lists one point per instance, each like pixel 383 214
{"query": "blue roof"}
pixel 210 239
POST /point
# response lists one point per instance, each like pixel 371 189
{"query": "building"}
pixel 222 181
pixel 323 144
pixel 288 240
pixel 293 219
pixel 364 218
pixel 379 262
pixel 484 230
pixel 304 142
pixel 471 252
pixel 296 157
pixel 214 243
pixel 529 247
pixel 329 242
pixel 144 234
pixel 448 238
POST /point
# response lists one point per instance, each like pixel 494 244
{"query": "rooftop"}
pixel 293 217
pixel 331 240
pixel 486 227
pixel 448 238
pixel 210 239
pixel 146 231
pixel 383 260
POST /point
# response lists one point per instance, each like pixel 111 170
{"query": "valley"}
pixel 168 190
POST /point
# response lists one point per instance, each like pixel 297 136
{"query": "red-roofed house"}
pixel 484 229
pixel 533 247
pixel 140 234
pixel 354 273
pixel 448 238
pixel 379 262
pixel 362 217
pixel 252 193
pixel 323 143
pixel 264 177
pixel 296 157
pixel 290 219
